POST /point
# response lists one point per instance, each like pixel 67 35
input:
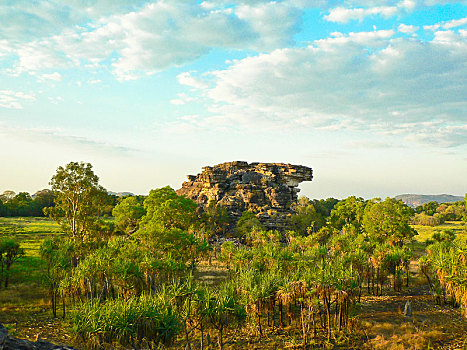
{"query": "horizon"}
pixel 370 94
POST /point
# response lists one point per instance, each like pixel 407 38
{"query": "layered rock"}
pixel 266 189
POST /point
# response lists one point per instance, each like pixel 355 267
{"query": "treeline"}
pixel 434 214
pixel 24 204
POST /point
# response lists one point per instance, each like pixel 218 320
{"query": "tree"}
pixel 21 205
pixel 42 199
pixel 55 253
pixel 10 251
pixel 78 197
pixel 3 208
pixel 348 212
pixel 388 220
pixel 306 219
pixel 166 208
pixel 247 223
pixel 128 214
pixel 215 218
pixel 7 195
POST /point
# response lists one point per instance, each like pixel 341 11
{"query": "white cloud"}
pixel 354 81
pixel 13 99
pixel 55 76
pixel 187 79
pixel 407 29
pixel 159 35
pixel 447 24
pixel 344 14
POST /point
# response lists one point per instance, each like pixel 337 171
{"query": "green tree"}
pixel 7 195
pixel 21 205
pixel 165 208
pixel 55 253
pixel 10 251
pixel 306 219
pixel 42 199
pixel 215 218
pixel 388 220
pixel 3 208
pixel 429 208
pixel 348 213
pixel 78 200
pixel 128 214
pixel 247 223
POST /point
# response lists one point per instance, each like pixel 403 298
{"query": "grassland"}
pixel 24 306
pixel 426 232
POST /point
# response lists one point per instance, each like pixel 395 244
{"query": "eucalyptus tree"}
pixel 78 200
pixel 215 218
pixel 247 223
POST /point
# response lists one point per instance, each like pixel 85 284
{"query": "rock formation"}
pixel 266 189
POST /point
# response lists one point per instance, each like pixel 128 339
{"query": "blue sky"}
pixel 371 94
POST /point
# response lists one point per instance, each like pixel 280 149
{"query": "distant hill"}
pixel 414 200
pixel 120 194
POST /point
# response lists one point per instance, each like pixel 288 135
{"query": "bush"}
pixel 127 321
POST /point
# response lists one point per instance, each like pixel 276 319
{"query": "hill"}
pixel 415 200
pixel 120 194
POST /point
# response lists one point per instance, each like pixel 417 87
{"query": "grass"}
pixel 24 305
pixel 29 233
pixel 426 232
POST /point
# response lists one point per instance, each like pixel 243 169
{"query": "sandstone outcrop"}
pixel 266 189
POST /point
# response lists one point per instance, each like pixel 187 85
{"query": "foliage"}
pixel 10 251
pixel 445 267
pixel 128 214
pixel 306 219
pixel 388 220
pixel 348 213
pixel 248 222
pixel 23 204
pixel 167 209
pixel 215 218
pixel 78 200
pixel 127 321
pixel 56 252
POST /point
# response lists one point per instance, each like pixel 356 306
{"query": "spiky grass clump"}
pixel 127 322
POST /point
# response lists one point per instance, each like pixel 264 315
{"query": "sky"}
pixel 370 94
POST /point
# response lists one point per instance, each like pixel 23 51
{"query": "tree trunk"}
pixel 220 340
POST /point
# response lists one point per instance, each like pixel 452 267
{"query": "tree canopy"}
pixel 78 199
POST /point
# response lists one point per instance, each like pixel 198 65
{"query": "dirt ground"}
pixel 431 326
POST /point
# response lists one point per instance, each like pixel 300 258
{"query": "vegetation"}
pixel 135 281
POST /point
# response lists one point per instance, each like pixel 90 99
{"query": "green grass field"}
pixel 29 233
pixel 24 305
pixel 426 232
